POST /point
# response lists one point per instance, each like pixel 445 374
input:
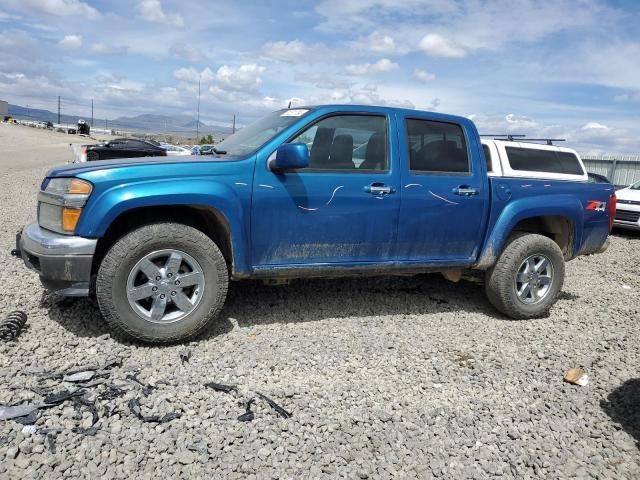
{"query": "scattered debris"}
pixel 281 411
pixel 27 419
pixel 11 326
pixel 111 393
pixel 248 415
pixel 185 355
pixel 63 396
pixel 146 388
pixel 29 429
pixel 84 376
pixel 8 413
pixel 134 406
pixel 576 376
pixel 219 387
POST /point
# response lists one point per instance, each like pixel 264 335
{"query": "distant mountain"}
pixel 147 122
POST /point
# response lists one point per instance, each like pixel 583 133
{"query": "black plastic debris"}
pixel 11 326
pixel 27 419
pixel 112 392
pixel 279 410
pixel 134 406
pixel 248 415
pixel 185 355
pixel 63 396
pixel 146 388
pixel 16 411
pixel 219 387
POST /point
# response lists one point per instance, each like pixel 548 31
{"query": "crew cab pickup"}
pixel 321 191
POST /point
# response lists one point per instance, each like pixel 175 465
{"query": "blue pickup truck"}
pixel 322 191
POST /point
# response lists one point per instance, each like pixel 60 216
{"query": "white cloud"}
pixel 627 97
pixel 594 126
pixel 242 78
pixel 438 46
pixel 191 75
pixel 423 75
pixel 381 43
pixel 104 49
pixel 187 52
pixel 151 10
pixel 381 66
pixel 61 7
pixel 292 52
pixel 71 41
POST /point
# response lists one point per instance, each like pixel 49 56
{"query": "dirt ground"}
pixel 23 148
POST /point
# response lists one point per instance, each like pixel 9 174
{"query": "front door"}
pixel 342 209
pixel 444 194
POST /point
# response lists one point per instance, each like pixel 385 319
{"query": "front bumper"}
pixel 62 261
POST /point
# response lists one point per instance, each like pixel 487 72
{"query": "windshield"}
pixel 253 136
pixel 635 186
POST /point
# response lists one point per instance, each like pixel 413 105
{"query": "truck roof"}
pixel 383 109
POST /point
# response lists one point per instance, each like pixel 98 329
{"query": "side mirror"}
pixel 290 156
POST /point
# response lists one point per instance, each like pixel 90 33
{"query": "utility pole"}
pixel 92 113
pixel 106 122
pixel 198 117
pixel 58 109
pixel 233 130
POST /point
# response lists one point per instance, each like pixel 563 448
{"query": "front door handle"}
pixel 465 191
pixel 377 188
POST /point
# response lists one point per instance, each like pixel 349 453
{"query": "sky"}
pixel 561 68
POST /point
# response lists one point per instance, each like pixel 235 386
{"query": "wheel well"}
pixel 208 220
pixel 557 228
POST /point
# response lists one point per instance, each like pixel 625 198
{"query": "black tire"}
pixel 111 282
pixel 500 282
pixel 92 156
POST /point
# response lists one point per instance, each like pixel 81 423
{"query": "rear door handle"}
pixel 465 191
pixel 377 188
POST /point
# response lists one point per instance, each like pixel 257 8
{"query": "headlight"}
pixel 60 203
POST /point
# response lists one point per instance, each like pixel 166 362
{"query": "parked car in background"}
pixel 122 148
pixel 175 149
pixel 628 207
pixel 206 150
pixel 156 242
pixel 597 178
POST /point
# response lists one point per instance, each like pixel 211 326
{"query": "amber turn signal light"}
pixel 79 186
pixel 70 217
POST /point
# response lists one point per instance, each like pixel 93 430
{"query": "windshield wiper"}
pixel 219 152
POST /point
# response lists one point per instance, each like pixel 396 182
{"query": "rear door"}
pixel 444 193
pixel 342 209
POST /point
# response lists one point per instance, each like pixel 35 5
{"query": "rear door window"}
pixel 487 156
pixel 547 161
pixel 436 147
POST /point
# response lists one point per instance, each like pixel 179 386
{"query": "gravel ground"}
pixel 390 377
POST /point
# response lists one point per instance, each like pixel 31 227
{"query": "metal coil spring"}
pixel 11 326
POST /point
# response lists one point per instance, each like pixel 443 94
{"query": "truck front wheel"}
pixel 526 279
pixel 162 283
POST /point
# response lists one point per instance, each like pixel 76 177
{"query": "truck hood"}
pixel 73 169
pixel 628 194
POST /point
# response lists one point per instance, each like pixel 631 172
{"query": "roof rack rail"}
pixel 548 140
pixel 520 138
pixel 510 136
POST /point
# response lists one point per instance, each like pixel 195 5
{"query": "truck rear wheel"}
pixel 526 279
pixel 162 283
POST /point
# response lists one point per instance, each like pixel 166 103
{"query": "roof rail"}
pixel 502 136
pixel 548 140
pixel 520 138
